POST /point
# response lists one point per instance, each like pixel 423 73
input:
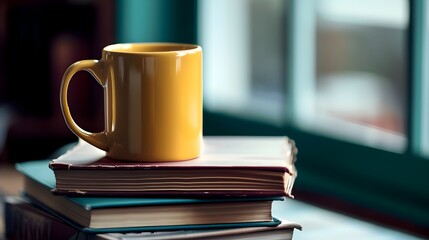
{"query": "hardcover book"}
pixel 23 221
pixel 104 214
pixel 26 221
pixel 228 166
pixel 283 231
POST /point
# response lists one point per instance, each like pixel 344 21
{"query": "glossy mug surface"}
pixel 152 101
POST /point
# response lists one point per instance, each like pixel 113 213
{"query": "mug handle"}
pixel 95 68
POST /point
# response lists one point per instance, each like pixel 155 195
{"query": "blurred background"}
pixel 39 40
pixel 345 79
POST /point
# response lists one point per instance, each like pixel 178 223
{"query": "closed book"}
pixel 25 221
pixel 283 231
pixel 104 214
pixel 240 166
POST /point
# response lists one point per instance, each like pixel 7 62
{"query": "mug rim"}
pixel 123 47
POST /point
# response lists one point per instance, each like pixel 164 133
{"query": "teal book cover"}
pixel 116 214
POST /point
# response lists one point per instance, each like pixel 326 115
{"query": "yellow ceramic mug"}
pixel 153 101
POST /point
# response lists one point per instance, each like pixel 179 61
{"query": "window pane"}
pixel 359 85
pixel 330 66
pixel 244 57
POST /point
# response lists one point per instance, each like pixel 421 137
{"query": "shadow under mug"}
pixel 152 101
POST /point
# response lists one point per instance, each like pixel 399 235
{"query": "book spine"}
pixel 25 221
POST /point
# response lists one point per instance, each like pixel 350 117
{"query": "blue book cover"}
pixel 107 214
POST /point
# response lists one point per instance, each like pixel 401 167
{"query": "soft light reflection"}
pixel 386 13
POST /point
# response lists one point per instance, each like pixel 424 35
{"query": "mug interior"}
pixel 149 47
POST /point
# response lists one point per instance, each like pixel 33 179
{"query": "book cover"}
pixel 282 231
pixel 228 166
pixel 104 214
pixel 25 221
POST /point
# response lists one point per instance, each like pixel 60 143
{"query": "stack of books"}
pixel 226 193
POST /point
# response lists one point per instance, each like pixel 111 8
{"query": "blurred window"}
pixel 245 57
pixel 339 69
